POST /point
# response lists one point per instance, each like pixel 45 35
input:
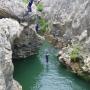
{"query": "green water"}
pixel 34 74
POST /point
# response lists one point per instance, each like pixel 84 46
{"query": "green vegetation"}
pixel 74 55
pixel 40 7
pixel 43 25
pixel 25 1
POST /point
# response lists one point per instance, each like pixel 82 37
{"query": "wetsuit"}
pixel 37 27
pixel 30 5
pixel 46 58
pixel 37 23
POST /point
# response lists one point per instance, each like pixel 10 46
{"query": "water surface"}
pixel 34 73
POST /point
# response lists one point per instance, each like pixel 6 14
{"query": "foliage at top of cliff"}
pixel 74 54
pixel 25 1
pixel 40 7
pixel 43 25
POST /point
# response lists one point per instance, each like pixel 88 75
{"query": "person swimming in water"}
pixel 46 56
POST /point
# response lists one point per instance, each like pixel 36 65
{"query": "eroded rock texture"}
pixel 15 9
pixel 11 8
pixel 9 29
pixel 15 33
pixel 70 16
pixel 71 22
pixel 27 44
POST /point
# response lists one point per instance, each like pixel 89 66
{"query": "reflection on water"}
pixel 34 73
pixel 47 68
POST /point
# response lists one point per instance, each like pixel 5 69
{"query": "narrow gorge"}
pixel 63 32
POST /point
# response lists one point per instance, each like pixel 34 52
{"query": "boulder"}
pixel 15 9
pixel 10 8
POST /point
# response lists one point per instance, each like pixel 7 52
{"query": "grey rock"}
pixel 16 37
pixel 9 30
pixel 27 44
pixel 12 8
pixel 23 41
pixel 71 16
pixel 15 9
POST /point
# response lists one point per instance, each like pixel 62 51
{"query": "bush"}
pixel 40 7
pixel 43 25
pixel 74 55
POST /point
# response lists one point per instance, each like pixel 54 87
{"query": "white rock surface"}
pixel 14 8
pixel 73 18
pixel 9 30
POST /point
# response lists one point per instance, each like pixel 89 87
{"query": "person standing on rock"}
pixel 30 5
pixel 37 27
pixel 37 23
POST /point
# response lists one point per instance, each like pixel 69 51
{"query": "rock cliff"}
pixel 10 8
pixel 71 23
pixel 9 30
pixel 27 44
pixel 70 18
pixel 18 39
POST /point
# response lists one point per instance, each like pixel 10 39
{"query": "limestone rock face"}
pixel 9 29
pixel 11 8
pixel 69 16
pixel 23 41
pixel 27 44
pixel 15 9
pixel 17 36
pixel 71 21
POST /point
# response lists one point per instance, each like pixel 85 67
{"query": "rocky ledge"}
pixel 77 61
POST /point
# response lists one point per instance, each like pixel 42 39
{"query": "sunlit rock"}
pixel 9 30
